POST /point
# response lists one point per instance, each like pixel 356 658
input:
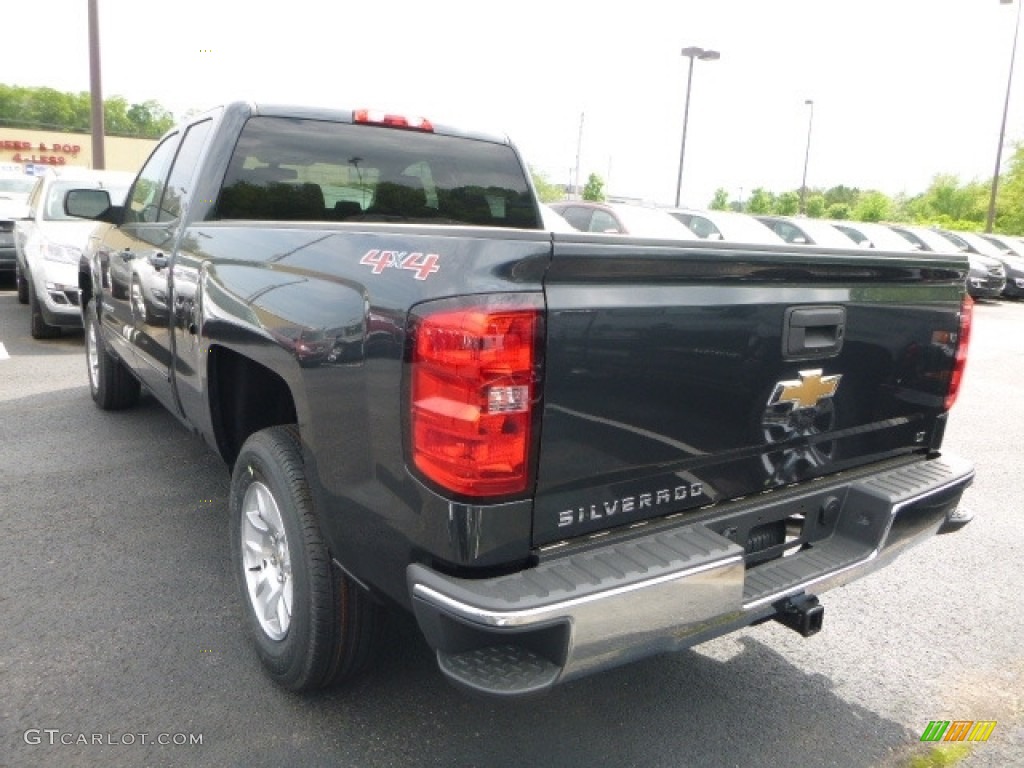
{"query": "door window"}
pixel 144 201
pixel 185 164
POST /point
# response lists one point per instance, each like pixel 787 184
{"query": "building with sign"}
pixel 36 150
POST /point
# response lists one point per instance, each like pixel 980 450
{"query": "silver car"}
pixel 15 187
pixel 726 225
pixel 871 235
pixel 803 231
pixel 622 219
pixel 49 245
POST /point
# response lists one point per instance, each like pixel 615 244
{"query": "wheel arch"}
pixel 245 397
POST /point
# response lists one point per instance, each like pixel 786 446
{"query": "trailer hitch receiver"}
pixel 801 612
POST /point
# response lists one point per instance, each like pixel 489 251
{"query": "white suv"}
pixel 49 244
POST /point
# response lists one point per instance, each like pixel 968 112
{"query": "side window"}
pixel 578 217
pixel 144 200
pixel 856 235
pixel 704 228
pixel 180 180
pixel 912 239
pixel 604 222
pixel 789 233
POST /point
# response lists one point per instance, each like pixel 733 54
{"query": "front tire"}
pixel 22 284
pixel 312 625
pixel 38 325
pixel 112 386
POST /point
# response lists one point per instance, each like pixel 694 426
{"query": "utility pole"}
pixel 99 160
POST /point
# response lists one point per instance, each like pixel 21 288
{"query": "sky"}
pixel 902 89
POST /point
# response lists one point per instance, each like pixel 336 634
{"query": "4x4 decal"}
pixel 421 264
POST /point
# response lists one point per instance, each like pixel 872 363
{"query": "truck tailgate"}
pixel 681 376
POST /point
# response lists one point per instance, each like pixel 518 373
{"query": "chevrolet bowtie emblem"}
pixel 807 392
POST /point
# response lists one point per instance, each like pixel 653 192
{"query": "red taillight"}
pixel 375 117
pixel 960 358
pixel 473 383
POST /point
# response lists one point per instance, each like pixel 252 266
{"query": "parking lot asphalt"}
pixel 122 631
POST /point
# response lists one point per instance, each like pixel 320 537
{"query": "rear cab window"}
pixel 289 169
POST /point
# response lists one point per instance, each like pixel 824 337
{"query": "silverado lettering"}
pixel 499 449
pixel 629 503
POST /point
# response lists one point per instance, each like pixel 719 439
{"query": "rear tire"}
pixel 38 325
pixel 112 386
pixel 312 625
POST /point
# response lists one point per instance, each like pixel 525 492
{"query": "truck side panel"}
pixel 301 301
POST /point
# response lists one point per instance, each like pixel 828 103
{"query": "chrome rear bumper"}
pixel 601 607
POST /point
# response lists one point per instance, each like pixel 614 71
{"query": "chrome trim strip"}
pixel 564 608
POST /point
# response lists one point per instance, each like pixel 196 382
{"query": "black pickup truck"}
pixel 561 452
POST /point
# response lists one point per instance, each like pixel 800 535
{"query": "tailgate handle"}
pixel 812 332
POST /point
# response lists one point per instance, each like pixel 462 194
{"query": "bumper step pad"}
pixel 500 669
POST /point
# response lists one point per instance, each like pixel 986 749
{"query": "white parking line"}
pixel 3 352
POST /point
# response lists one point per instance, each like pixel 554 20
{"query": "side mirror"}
pixel 799 240
pixel 87 203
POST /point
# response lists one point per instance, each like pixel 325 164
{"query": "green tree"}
pixel 50 107
pixel 841 194
pixel 900 211
pixel 873 206
pixel 787 204
pixel 816 206
pixel 838 211
pixel 594 188
pixel 149 118
pixel 720 202
pixel 546 191
pixel 81 105
pixel 947 201
pixel 54 110
pixel 761 201
pixel 115 115
pixel 1010 202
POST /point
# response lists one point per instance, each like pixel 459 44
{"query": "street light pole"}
pixel 990 221
pixel 579 149
pixel 691 53
pixel 807 157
